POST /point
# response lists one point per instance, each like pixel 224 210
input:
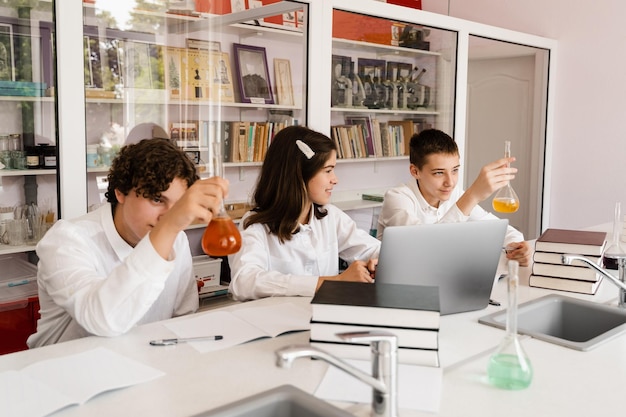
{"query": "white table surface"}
pixel 566 382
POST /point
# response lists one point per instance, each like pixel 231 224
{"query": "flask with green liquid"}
pixel 509 367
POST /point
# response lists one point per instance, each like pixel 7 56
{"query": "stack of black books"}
pixel 411 312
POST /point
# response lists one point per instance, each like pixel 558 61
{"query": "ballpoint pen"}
pixel 167 342
pixel 21 282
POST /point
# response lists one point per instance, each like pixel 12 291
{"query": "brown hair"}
pixel 428 142
pixel 281 192
pixel 149 167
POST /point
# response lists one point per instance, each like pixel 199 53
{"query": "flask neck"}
pixel 512 284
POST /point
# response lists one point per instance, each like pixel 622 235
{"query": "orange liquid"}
pixel 221 237
pixel 505 205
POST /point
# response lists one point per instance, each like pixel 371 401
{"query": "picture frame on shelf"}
pixel 284 84
pixel 222 82
pixel 252 74
pixel 371 69
pixel 139 73
pixel 371 73
pixel 174 72
pixel 198 75
pixel 341 76
pixel 7 63
pixel 184 134
pixel 93 63
pixel 398 71
pixel 237 6
pixel 209 45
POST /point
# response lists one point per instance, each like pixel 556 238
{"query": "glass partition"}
pixel 190 73
pixel 506 101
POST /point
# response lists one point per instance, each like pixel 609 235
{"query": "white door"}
pixel 502 98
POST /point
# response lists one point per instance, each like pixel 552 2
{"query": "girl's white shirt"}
pixel 264 267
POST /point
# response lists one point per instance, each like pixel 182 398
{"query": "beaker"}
pixel 614 251
pixel 509 366
pixel 221 236
pixel 506 200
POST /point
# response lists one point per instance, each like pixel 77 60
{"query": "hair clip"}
pixel 306 149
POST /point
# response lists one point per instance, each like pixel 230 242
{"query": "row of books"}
pixel 410 312
pixel 549 272
pixel 363 137
pixel 239 141
pixel 247 141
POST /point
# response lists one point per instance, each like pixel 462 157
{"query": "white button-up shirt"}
pixel 91 282
pixel 405 205
pixel 265 267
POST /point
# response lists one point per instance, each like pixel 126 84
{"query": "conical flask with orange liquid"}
pixel 506 200
pixel 221 236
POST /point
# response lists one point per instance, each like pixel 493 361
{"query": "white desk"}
pixel 566 382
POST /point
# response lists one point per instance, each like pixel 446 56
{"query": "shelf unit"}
pixel 132 108
pixel 316 111
pixel 27 106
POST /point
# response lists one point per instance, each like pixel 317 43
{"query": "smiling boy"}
pixel 432 196
pixel 127 262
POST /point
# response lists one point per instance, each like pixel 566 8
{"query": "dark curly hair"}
pixel 148 167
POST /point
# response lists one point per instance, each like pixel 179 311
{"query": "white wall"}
pixel 589 164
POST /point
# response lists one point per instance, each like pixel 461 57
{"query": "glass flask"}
pixel 221 236
pixel 509 366
pixel 614 251
pixel 506 200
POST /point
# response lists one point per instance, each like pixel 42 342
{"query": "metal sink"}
pixel 282 401
pixel 565 321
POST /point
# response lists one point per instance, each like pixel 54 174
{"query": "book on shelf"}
pixel 582 242
pixel 184 134
pixel 406 130
pixel 248 141
pixel 377 135
pixel 408 338
pixel 393 305
pixel 423 357
pixel 555 258
pixel 565 271
pixel 350 141
pixel 564 284
pixel 366 132
pixel 373 197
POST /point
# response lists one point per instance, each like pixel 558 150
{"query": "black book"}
pixel 389 305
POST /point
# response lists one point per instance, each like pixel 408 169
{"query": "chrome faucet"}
pixel 384 378
pixel 567 259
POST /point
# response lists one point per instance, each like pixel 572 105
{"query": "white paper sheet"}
pixel 52 384
pixel 419 387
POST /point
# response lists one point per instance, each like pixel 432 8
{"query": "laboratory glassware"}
pixel 509 366
pixel 614 251
pixel 221 237
pixel 506 200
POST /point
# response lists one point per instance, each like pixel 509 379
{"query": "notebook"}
pixel 460 258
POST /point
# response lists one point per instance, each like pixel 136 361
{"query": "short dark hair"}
pixel 280 192
pixel 149 167
pixel 430 141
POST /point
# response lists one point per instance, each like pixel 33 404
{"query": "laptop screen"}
pixel 460 258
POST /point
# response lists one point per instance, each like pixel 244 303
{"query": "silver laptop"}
pixel 460 258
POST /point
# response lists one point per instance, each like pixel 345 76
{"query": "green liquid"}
pixel 506 371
